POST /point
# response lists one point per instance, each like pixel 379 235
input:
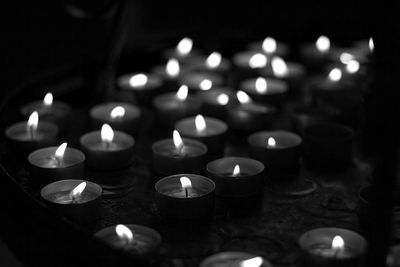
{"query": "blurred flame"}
pixel 77 191
pixel 261 85
pixel 172 68
pixel 243 97
pixel 279 67
pixel 213 60
pixel 371 44
pixel 337 243
pixel 323 44
pixel 59 154
pixel 185 182
pixel 48 99
pixel 184 47
pixel 335 75
pixel 200 123
pixel 182 93
pixel 236 170
pixel 205 84
pixel 253 262
pixel 138 80
pixel 258 61
pixel 107 134
pixel 117 112
pixel 124 233
pixel 271 142
pixel 223 99
pixel 346 57
pixel 178 142
pixel 269 45
pixel 33 121
pixel 352 66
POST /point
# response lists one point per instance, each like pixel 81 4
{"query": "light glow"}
pixel 335 75
pixel 253 262
pixel 182 93
pixel 279 67
pixel 59 154
pixel 346 57
pixel 178 142
pixel 184 46
pixel 33 121
pixel 371 44
pixel 223 99
pixel 258 61
pixel 200 124
pixel 236 170
pixel 337 243
pixel 205 84
pixel 323 44
pixel 185 182
pixel 138 80
pixel 243 97
pixel 271 143
pixel 213 60
pixel 77 191
pixel 117 112
pixel 48 99
pixel 352 66
pixel 124 233
pixel 172 68
pixel 261 85
pixel 107 134
pixel 269 45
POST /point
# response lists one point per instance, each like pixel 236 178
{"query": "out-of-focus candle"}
pixel 317 54
pixel 270 46
pixel 215 101
pixel 234 259
pixel 265 90
pixel 184 51
pixel 202 81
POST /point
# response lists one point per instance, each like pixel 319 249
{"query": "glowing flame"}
pixel 279 67
pixel 261 85
pixel 77 191
pixel 48 99
pixel 223 99
pixel 323 44
pixel 236 170
pixel 178 143
pixel 269 45
pixel 124 233
pixel 185 182
pixel 352 66
pixel 205 84
pixel 107 134
pixel 243 97
pixel 182 93
pixel 59 154
pixel 172 68
pixel 213 60
pixel 271 142
pixel 184 47
pixel 258 61
pixel 253 262
pixel 200 123
pixel 337 243
pixel 33 121
pixel 117 112
pixel 138 80
pixel 346 57
pixel 371 44
pixel 335 75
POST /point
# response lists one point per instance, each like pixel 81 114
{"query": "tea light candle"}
pixel 268 91
pixel 201 81
pixel 331 247
pixel 178 155
pixel 183 51
pixel 25 137
pixel 135 239
pixel 184 197
pixel 270 47
pixel 249 116
pixel 213 63
pixel 234 259
pixel 236 176
pixel 77 200
pixel 121 116
pixel 171 107
pixel 170 73
pixel 48 110
pixel 107 149
pixel 277 150
pixel 316 54
pixel 327 146
pixel 143 85
pixel 209 131
pixel 215 102
pixel 55 163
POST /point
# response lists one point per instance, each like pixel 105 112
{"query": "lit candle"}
pixel 210 131
pixel 184 51
pixel 213 63
pixel 234 259
pixel 178 155
pixel 215 101
pixel 248 64
pixel 184 197
pixel 135 239
pixel 270 46
pixel 202 81
pixel 107 149
pixel 236 176
pixel 77 200
pixel 317 54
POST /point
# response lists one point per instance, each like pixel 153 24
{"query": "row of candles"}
pixel 255 101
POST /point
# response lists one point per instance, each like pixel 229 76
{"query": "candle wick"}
pixel 186 193
pixel 58 161
pixel 107 144
pixel 31 132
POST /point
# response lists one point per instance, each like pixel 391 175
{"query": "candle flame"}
pixel 371 44
pixel 269 45
pixel 117 112
pixel 258 61
pixel 77 191
pixel 33 121
pixel 261 85
pixel 107 134
pixel 271 142
pixel 59 154
pixel 253 262
pixel 335 75
pixel 124 233
pixel 323 44
pixel 172 68
pixel 223 99
pixel 182 93
pixel 213 60
pixel 200 123
pixel 48 99
pixel 243 97
pixel 337 243
pixel 236 170
pixel 184 47
pixel 205 84
pixel 346 57
pixel 279 67
pixel 185 182
pixel 352 66
pixel 138 80
pixel 178 142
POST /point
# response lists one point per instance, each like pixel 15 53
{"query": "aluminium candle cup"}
pixel 169 109
pixel 214 136
pixel 193 79
pixel 327 147
pixel 248 183
pixel 167 161
pixel 274 95
pixel 87 209
pixel 146 241
pixel 20 142
pixel 118 155
pixel 173 205
pixel 143 93
pixel 230 259
pixel 312 242
pixel 43 167
pixel 129 123
pixel 210 104
pixel 283 156
pixel 250 117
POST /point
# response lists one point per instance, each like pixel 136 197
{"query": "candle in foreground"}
pixel 234 259
pixel 185 197
pixel 77 200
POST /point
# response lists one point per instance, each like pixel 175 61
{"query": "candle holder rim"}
pixel 288 134
pixel 131 226
pixel 82 156
pixel 98 133
pixel 150 75
pixel 259 164
pixel 223 255
pixel 203 147
pixel 41 124
pixel 215 121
